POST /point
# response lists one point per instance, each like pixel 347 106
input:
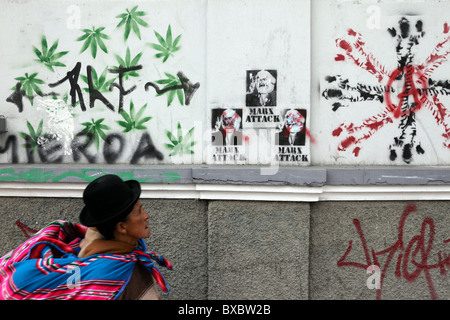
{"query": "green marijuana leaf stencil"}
pixel 132 20
pixel 93 38
pixel 127 62
pixel 48 56
pixel 166 46
pixel 181 144
pixel 32 138
pixel 30 85
pixel 132 120
pixel 99 83
pixel 171 81
pixel 94 130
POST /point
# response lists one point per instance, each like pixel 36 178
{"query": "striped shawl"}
pixel 46 266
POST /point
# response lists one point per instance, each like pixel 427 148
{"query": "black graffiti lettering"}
pixel 75 89
pixel 29 149
pixel 122 91
pixel 11 143
pixel 113 148
pixel 146 149
pixel 79 149
pixel 293 157
pixel 49 148
pixel 188 87
pixel 16 97
pixel 94 94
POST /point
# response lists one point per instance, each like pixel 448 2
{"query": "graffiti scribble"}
pixel 412 256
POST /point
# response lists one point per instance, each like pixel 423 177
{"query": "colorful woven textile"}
pixel 46 266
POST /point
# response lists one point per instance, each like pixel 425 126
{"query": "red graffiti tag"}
pixel 413 256
pixel 25 229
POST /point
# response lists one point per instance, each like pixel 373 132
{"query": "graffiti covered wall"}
pixel 155 82
pixel 380 250
pixel 159 82
pixel 367 250
pixel 382 83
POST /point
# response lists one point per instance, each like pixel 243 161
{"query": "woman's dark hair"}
pixel 107 228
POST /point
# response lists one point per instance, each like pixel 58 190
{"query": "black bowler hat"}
pixel 107 198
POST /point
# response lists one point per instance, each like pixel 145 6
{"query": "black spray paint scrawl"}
pixel 418 91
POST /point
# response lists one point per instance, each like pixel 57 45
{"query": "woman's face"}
pixel 136 225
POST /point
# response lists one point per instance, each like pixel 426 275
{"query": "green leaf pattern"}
pixel 94 39
pixel 180 144
pixel 166 47
pixel 131 20
pixel 94 130
pixel 48 57
pixel 134 120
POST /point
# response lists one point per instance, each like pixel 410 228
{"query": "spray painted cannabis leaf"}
pixel 127 62
pixel 94 130
pixel 30 85
pixel 32 139
pixel 181 144
pixel 171 81
pixel 132 20
pixel 99 83
pixel 166 46
pixel 48 56
pixel 93 38
pixel 132 120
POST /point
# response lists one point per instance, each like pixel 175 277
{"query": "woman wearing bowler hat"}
pixel 104 258
pixel 117 221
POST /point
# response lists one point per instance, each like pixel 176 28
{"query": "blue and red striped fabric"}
pixel 42 267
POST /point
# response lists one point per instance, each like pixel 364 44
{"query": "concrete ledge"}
pixel 312 176
pixel 388 176
pixel 309 184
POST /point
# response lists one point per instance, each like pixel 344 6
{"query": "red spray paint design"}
pixel 412 256
pixel 416 92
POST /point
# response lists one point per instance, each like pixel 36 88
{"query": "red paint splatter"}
pixel 356 151
pixel 351 32
pixel 371 68
pixel 339 57
pixel 345 45
pixel 348 142
pixel 376 125
pixel 433 57
pixel 308 134
pixel 446 28
pixel 337 132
